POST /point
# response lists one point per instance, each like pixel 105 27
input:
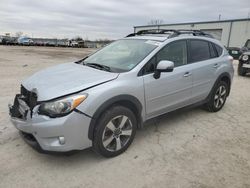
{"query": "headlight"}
pixel 245 57
pixel 61 107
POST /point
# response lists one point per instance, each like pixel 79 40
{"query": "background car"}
pixel 236 52
pixel 7 40
pixel 244 64
pixel 25 41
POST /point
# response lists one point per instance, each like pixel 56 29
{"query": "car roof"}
pixel 164 37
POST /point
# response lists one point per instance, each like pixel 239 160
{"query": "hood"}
pixel 65 79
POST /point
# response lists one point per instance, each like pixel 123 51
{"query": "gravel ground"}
pixel 187 148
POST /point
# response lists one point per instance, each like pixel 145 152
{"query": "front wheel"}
pixel 115 131
pixel 218 97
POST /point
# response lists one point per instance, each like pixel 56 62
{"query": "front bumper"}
pixel 48 132
pixel 247 66
pixel 30 139
pixel 244 64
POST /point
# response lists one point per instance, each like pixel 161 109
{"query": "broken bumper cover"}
pixel 52 134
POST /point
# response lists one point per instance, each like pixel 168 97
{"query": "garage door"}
pixel 216 33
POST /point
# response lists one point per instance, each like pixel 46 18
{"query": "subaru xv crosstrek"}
pixel 101 100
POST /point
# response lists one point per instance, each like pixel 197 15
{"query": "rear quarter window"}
pixel 218 49
pixel 213 52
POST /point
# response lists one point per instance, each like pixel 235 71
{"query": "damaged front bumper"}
pixel 43 133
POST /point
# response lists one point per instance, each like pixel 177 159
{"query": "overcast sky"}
pixel 107 18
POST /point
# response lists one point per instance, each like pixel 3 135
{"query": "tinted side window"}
pixel 218 49
pixel 199 50
pixel 213 53
pixel 175 52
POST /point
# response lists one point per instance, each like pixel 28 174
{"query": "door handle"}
pixel 216 65
pixel 187 74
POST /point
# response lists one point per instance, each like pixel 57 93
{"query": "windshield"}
pixel 122 55
pixel 248 44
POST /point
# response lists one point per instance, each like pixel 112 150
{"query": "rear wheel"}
pixel 218 97
pixel 115 131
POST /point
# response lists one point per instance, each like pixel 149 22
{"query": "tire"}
pixel 218 97
pixel 241 71
pixel 114 131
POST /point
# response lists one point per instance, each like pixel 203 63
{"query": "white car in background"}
pixel 25 41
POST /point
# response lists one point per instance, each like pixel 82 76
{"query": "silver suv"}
pixel 101 100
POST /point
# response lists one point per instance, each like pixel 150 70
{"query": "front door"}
pixel 173 89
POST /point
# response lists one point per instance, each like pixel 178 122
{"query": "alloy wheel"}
pixel 220 96
pixel 117 133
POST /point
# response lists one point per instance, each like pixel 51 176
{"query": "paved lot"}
pixel 188 148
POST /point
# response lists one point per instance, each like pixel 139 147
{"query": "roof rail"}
pixel 192 32
pixel 171 32
pixel 153 31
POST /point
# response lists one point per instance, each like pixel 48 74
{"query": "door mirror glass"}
pixel 163 66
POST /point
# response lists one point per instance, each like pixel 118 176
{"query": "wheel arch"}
pixel 226 78
pixel 222 77
pixel 128 101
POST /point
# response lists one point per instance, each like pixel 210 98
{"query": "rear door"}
pixel 204 62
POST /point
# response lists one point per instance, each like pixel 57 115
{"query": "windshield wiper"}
pixel 81 60
pixel 98 66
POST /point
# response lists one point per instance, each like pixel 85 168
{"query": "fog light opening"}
pixel 61 140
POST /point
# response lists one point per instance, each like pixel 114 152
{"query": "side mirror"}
pixel 163 66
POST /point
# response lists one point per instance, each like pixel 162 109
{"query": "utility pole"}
pixel 248 17
pixel 219 17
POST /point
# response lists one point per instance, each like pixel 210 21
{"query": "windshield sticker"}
pixel 156 43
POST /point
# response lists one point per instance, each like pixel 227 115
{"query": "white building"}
pixel 232 33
